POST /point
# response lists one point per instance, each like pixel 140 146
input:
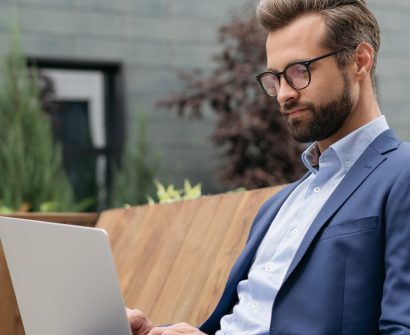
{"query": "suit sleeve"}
pixel 395 307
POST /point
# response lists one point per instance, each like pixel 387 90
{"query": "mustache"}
pixel 294 104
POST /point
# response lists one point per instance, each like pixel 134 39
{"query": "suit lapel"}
pixel 365 165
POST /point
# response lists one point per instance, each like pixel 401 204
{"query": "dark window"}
pixel 85 107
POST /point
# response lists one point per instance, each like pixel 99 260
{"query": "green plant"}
pixel 169 194
pixel 5 209
pixel 134 178
pixel 31 172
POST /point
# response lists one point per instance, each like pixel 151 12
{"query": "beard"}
pixel 324 120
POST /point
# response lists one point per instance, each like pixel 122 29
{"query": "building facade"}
pixel 111 60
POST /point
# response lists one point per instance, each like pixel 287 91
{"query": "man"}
pixel 329 254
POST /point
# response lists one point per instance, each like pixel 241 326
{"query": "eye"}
pixel 297 75
pixel 270 83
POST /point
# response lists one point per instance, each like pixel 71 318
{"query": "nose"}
pixel 286 93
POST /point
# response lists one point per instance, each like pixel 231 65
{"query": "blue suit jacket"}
pixel 351 274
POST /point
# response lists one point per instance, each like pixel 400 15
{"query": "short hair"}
pixel 348 23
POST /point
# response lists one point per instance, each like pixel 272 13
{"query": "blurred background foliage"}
pixel 133 181
pixel 31 174
pixel 256 147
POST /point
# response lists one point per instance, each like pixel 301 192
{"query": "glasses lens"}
pixel 270 84
pixel 297 75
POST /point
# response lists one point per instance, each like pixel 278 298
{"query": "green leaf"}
pixel 49 206
pixel 187 186
pixel 194 192
pixel 150 200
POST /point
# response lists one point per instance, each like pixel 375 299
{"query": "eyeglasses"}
pixel 296 75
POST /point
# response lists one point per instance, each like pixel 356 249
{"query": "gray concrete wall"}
pixel 155 38
pixel 393 72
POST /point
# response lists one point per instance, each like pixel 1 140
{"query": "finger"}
pixel 157 331
pixel 179 328
pixel 139 323
pixel 135 312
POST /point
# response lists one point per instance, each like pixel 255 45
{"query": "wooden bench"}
pixel 173 259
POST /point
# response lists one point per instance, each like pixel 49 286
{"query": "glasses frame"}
pixel 305 63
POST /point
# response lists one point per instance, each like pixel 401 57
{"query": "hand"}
pixel 139 323
pixel 179 328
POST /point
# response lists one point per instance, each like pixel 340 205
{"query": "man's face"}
pixel 318 111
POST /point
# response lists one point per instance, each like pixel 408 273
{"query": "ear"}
pixel 363 60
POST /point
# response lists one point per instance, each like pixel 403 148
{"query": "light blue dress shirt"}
pixel 257 293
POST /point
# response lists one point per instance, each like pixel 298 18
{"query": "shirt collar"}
pixel 349 148
pixel 310 157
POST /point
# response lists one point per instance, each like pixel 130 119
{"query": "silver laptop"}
pixel 64 278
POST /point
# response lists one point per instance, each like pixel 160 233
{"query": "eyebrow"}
pixel 272 70
pixel 290 63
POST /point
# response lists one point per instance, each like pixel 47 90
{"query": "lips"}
pixel 296 112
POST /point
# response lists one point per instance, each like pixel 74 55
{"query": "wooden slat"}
pixel 188 265
pixel 217 230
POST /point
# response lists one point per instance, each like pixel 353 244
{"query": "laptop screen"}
pixel 64 278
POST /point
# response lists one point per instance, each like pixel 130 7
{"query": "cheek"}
pixel 329 81
pixel 323 88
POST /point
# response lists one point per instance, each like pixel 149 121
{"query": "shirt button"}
pixel 294 231
pixel 316 189
pixel 348 163
pixel 269 268
pixel 255 305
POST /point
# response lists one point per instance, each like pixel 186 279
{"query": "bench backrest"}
pixel 172 259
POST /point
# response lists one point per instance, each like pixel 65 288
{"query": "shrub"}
pixel 31 172
pixel 134 179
